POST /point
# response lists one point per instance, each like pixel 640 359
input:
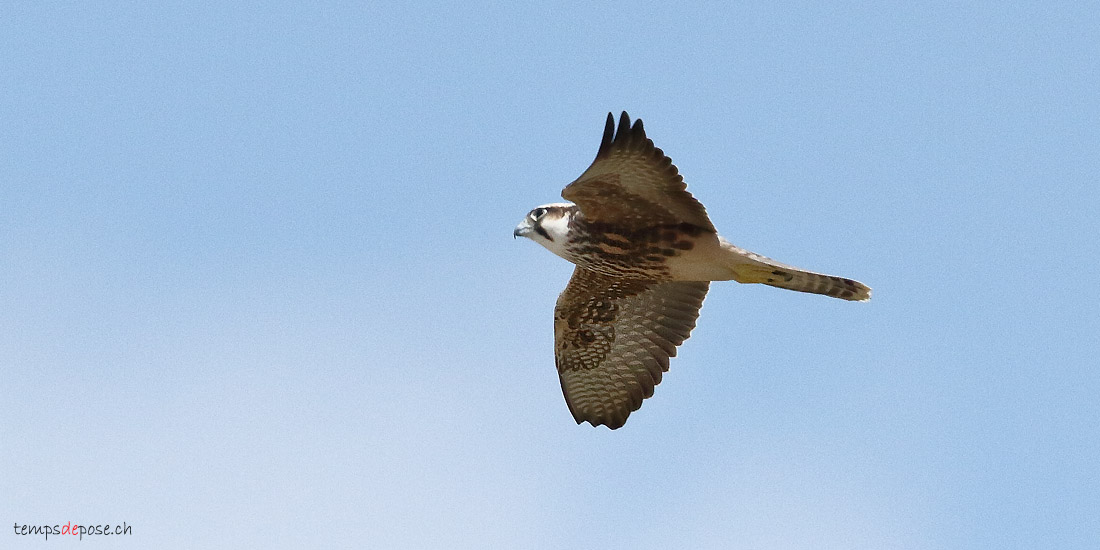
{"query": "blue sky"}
pixel 258 285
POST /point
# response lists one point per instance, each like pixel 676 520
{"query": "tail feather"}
pixel 750 267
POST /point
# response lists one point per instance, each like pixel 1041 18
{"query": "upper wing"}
pixel 613 338
pixel 633 184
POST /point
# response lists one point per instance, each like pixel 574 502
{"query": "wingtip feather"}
pixel 608 136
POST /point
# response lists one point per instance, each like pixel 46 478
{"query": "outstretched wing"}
pixel 613 338
pixel 633 184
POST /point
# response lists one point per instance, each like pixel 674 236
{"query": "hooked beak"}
pixel 522 230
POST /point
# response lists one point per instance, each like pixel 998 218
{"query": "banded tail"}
pixel 750 267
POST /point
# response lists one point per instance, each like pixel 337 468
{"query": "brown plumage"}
pixel 613 338
pixel 645 252
pixel 632 184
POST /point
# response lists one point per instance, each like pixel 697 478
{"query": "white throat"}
pixel 558 229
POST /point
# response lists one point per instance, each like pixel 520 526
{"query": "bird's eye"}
pixel 538 213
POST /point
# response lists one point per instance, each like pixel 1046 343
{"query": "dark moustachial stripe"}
pixel 541 231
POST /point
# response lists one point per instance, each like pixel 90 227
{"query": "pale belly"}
pixel 705 261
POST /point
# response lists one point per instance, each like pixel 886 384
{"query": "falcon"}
pixel 645 253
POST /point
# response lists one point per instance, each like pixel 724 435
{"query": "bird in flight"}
pixel 645 253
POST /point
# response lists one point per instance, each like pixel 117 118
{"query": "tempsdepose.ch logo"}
pixel 73 529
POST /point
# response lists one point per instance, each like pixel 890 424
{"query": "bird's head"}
pixel 547 225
